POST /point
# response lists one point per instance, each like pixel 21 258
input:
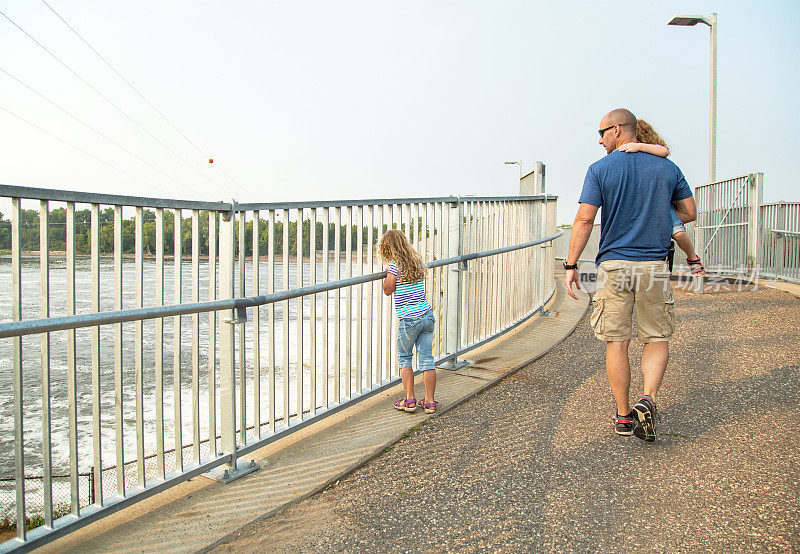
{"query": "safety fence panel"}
pixel 780 239
pixel 723 232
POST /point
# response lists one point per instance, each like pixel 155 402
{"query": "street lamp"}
pixel 711 21
pixel 519 163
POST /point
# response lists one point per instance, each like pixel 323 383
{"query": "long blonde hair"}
pixel 395 247
pixel 646 134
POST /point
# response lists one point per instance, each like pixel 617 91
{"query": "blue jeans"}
pixel 416 331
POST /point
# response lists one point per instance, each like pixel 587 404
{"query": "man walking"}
pixel 637 192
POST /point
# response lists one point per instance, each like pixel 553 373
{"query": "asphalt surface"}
pixel 533 463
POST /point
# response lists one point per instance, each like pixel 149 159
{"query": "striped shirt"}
pixel 409 298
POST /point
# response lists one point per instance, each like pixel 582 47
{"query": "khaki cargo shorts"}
pixel 626 284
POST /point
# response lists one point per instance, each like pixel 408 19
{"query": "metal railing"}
pixel 736 232
pixel 780 239
pixel 272 314
pixel 725 232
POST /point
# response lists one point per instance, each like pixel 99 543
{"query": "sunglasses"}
pixel 603 131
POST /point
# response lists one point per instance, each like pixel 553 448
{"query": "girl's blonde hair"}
pixel 395 247
pixel 645 133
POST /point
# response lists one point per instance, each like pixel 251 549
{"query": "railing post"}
pixel 539 189
pixel 455 219
pixel 227 362
pixel 754 197
pixel 549 231
pixel 780 240
pixel 226 338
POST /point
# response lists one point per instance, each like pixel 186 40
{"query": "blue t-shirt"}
pixel 636 191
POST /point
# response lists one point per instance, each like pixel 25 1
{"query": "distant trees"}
pixel 29 233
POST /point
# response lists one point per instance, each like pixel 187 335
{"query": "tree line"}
pixel 29 233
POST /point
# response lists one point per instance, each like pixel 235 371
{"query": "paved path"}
pixel 201 513
pixel 532 464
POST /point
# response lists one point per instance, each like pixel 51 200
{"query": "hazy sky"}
pixel 335 100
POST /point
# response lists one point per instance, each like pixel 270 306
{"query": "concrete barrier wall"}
pixel 561 244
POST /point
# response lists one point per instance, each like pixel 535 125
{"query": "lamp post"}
pixel 519 163
pixel 711 21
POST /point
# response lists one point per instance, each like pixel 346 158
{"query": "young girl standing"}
pixel 405 278
pixel 649 141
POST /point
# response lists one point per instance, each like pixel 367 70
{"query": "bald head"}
pixel 621 128
pixel 621 116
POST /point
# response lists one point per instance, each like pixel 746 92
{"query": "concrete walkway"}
pixel 203 513
pixel 532 464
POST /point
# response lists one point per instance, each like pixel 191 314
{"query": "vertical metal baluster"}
pixel 348 294
pixel 370 210
pixel 505 263
pixel 379 369
pixel 441 289
pixel 519 266
pixel 469 277
pixel 44 312
pixel 213 231
pixel 286 319
pixel 512 266
pixel 387 307
pixel 273 412
pixel 72 393
pixel 481 300
pixel 359 290
pixel 176 340
pixel 256 327
pixel 16 315
pixel 138 346
pixel 499 292
pixel 473 275
pixel 487 269
pixel 485 245
pixel 97 436
pixel 299 320
pixel 428 251
pixel 337 272
pixel 312 308
pixel 395 219
pixel 326 217
pixel 119 412
pixel 196 337
pixel 423 243
pixel 441 278
pixel 464 229
pixel 479 245
pixel 412 225
pixel 493 270
pixel 527 268
pixel 515 265
pixel 501 268
pixel 159 346
pixel 242 330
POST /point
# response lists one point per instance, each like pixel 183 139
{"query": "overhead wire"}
pixel 98 132
pixel 104 97
pixel 78 148
pixel 145 99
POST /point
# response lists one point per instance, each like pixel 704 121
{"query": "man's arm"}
pixel 581 229
pixel 686 209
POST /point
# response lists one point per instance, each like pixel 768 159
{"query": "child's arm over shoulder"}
pixel 655 149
